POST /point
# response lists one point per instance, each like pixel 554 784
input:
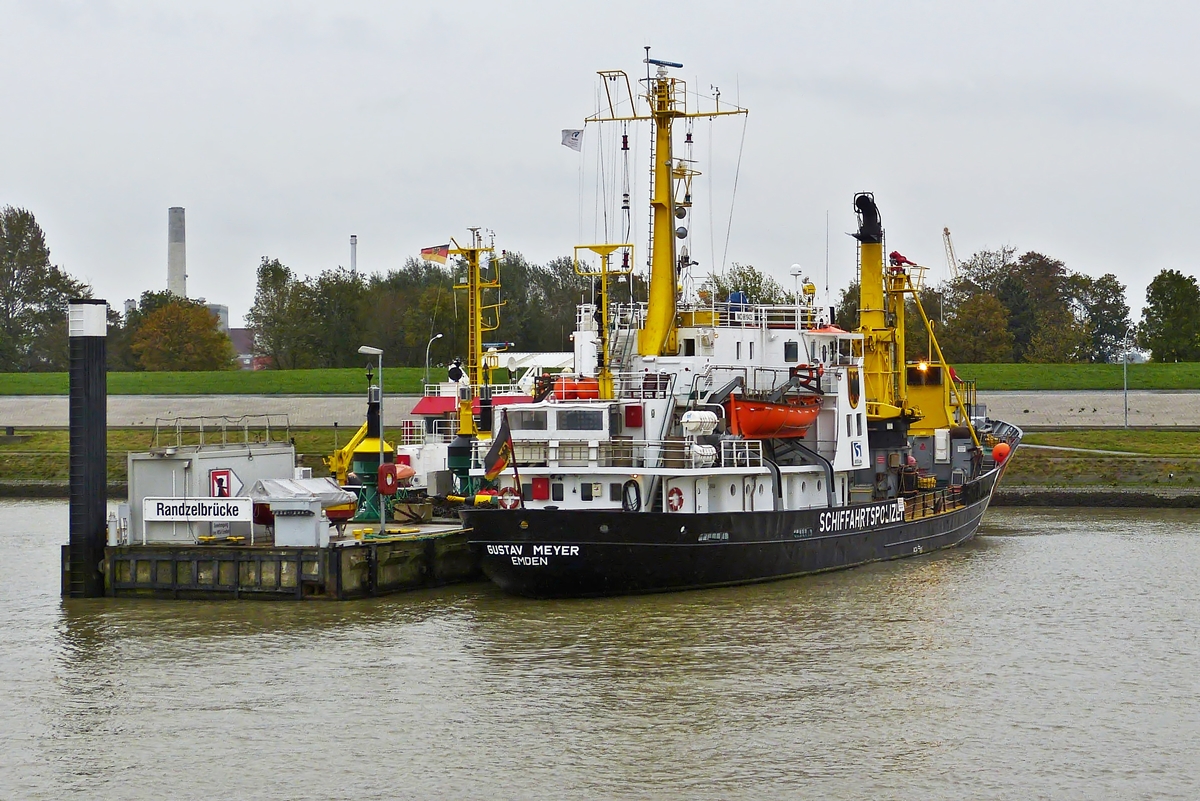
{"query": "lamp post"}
pixel 367 350
pixel 1125 375
pixel 427 346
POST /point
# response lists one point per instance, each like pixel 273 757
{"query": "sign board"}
pixel 184 510
pixel 223 483
pixel 856 453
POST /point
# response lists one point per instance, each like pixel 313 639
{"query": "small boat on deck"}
pixel 760 419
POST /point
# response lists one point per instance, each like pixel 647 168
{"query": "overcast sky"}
pixel 283 128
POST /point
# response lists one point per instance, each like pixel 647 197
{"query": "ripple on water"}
pixel 1054 657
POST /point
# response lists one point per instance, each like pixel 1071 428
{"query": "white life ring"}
pixel 675 499
pixel 509 499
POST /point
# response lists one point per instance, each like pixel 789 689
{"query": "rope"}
pixel 737 171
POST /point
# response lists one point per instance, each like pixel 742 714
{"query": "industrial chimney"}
pixel 176 253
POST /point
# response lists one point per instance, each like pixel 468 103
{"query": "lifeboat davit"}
pixel 756 419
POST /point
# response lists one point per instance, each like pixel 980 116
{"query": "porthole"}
pixel 603 528
pixel 732 490
pixel 818 485
pixel 760 488
pixel 804 486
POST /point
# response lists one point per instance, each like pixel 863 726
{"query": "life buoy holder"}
pixel 631 496
pixel 509 499
pixel 387 479
pixel 675 499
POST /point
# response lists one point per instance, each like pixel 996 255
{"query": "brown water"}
pixel 1055 657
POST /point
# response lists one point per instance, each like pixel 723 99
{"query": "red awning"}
pixel 437 405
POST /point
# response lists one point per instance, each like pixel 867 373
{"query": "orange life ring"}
pixel 675 499
pixel 509 499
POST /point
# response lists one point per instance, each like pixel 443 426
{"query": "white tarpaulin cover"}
pixel 324 490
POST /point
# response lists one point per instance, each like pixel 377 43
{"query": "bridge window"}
pixel 527 420
pixel 580 420
pixel 791 351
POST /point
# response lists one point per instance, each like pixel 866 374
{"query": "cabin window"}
pixel 585 491
pixel 689 347
pixel 849 421
pixel 614 492
pixel 556 491
pixel 527 420
pixel 931 376
pixel 824 354
pixel 580 420
pixel 818 485
pixel 527 492
pixel 791 351
pixel 751 351
pixel 739 351
pixel 860 422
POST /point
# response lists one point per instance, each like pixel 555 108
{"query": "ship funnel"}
pixel 869 227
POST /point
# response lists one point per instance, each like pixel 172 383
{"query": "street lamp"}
pixel 427 346
pixel 1125 373
pixel 367 350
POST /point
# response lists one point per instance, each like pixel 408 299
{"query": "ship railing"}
pixel 418 431
pixel 221 430
pixel 621 453
pixel 936 502
pixel 449 389
pixel 643 385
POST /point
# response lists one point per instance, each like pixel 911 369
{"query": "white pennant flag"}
pixel 573 139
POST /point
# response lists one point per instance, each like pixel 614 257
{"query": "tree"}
pixel 1022 316
pixel 33 297
pixel 1171 318
pixel 978 332
pixel 757 286
pixel 338 305
pixel 845 315
pixel 1101 303
pixel 280 321
pixel 182 335
pixel 123 329
pixel 1059 338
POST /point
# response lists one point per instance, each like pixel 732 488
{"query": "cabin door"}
pixel 701 495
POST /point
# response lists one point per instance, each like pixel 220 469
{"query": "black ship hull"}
pixel 561 553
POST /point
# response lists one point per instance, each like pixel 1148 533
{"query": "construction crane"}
pixel 951 259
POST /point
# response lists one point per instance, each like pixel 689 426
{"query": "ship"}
pixel 702 442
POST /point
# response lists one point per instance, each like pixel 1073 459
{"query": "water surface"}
pixel 1057 656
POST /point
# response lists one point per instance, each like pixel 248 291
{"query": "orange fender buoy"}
pixel 1000 452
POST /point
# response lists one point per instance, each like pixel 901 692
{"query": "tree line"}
pixel 1001 307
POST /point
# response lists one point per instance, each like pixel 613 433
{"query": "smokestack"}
pixel 176 253
pixel 353 253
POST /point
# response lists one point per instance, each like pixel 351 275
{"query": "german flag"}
pixel 438 253
pixel 500 455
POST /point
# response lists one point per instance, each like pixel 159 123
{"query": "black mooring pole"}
pixel 87 326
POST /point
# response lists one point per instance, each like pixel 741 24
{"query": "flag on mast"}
pixel 573 138
pixel 500 455
pixel 438 253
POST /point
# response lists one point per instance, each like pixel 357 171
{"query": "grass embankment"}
pixel 43 456
pixel 1154 459
pixel 408 380
pixel 349 381
pixel 997 377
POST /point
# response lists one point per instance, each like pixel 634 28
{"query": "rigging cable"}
pixel 737 171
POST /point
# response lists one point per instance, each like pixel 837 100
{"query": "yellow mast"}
pixel 604 371
pixel 881 344
pixel 667 100
pixel 475 284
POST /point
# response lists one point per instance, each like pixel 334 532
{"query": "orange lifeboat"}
pixel 755 419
